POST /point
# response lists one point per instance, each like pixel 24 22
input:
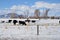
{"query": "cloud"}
pixel 22 9
pixel 54 7
pixel 46 5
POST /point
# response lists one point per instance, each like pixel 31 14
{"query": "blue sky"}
pixel 9 3
pixel 54 5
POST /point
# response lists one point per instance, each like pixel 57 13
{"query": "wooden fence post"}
pixel 37 29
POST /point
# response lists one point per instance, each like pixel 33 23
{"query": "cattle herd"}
pixel 20 22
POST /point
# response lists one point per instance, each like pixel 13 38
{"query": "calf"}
pixel 22 22
pixel 9 21
pixel 14 22
pixel 33 21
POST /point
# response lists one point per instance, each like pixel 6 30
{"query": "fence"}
pixel 29 30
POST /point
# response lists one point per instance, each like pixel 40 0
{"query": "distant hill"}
pixel 8 15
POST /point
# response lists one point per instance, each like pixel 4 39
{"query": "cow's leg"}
pixel 14 23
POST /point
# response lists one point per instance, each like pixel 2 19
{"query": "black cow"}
pixel 14 22
pixel 22 22
pixel 2 21
pixel 59 22
pixel 9 21
pixel 27 21
pixel 33 21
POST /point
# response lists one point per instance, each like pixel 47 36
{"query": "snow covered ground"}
pixel 49 29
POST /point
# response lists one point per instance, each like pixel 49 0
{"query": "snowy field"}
pixel 49 29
